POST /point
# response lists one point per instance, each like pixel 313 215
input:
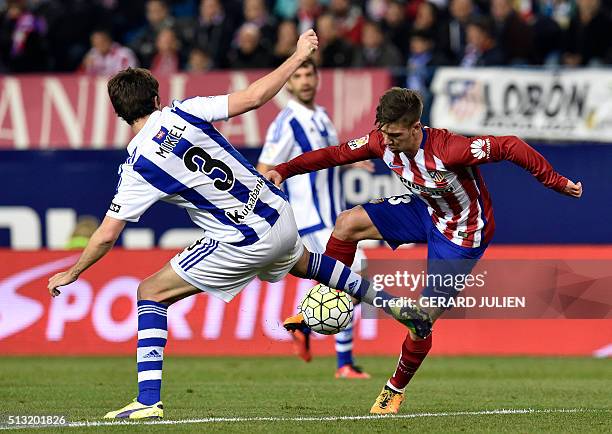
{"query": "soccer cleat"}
pixel 388 402
pixel 136 410
pixel 295 322
pixel 301 344
pixel 415 318
pixel 352 372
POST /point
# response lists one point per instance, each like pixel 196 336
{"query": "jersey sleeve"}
pixel 209 108
pixel 363 148
pixel 134 196
pixel 278 145
pixel 463 151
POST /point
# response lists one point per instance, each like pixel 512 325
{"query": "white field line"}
pixel 86 424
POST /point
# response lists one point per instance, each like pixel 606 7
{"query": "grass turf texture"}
pixel 196 388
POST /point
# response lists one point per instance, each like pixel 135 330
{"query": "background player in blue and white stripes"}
pixel 316 198
pixel 179 157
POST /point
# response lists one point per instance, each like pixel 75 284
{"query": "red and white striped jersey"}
pixel 444 174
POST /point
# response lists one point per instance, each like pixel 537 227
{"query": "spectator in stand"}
pixel 199 61
pixel 421 66
pixel 286 41
pixel 69 26
pixel 334 51
pixel 307 14
pixel 513 35
pixel 461 11
pixel 375 50
pixel 107 57
pixel 428 20
pixel 256 12
pixel 558 10
pixel 548 37
pixel 587 39
pixel 349 20
pixel 481 48
pixel 395 26
pixel 376 9
pixel 23 46
pixel 158 18
pixel 249 53
pixel 167 58
pixel 212 31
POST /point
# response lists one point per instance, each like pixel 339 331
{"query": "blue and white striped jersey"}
pixel 179 157
pixel 316 198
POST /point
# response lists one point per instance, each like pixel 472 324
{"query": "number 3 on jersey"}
pixel 198 160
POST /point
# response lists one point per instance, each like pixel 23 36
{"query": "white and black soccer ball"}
pixel 326 310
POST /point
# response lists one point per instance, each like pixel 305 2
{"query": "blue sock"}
pixel 336 275
pixel 344 346
pixel 152 336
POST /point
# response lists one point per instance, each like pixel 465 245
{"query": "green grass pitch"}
pixel 449 394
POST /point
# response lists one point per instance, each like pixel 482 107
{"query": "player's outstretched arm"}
pixel 262 90
pixel 461 151
pixel 102 240
pixel 364 148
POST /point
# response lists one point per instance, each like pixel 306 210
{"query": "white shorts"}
pixel 223 270
pixel 316 241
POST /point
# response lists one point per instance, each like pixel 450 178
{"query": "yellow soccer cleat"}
pixel 136 410
pixel 388 402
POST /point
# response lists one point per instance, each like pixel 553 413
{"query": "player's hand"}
pixel 274 177
pixel 364 165
pixel 574 190
pixel 60 279
pixel 307 44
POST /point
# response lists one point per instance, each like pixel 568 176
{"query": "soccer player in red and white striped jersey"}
pixel 448 205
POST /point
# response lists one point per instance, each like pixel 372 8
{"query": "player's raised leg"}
pixel 336 275
pixel 155 294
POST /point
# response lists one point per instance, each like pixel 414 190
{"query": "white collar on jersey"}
pixel 138 138
pixel 303 111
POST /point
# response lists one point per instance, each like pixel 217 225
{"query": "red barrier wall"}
pixel 97 315
pixel 73 111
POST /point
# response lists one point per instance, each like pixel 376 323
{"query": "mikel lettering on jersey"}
pixel 167 139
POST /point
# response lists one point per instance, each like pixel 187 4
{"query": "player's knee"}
pixel 347 225
pixel 146 291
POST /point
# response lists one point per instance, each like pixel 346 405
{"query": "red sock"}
pixel 343 251
pixel 413 354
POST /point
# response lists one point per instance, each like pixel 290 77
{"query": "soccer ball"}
pixel 326 310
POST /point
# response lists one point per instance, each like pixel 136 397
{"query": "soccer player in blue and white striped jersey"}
pixel 316 198
pixel 177 156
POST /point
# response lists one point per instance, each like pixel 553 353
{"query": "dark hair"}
pixel 484 24
pixel 309 62
pixel 133 93
pixel 399 104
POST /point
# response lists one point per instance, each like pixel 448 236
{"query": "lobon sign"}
pixel 73 111
pixel 561 105
pixel 97 315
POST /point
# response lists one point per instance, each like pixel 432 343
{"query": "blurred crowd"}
pixel 167 36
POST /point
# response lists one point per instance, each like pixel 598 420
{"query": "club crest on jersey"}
pixel 438 177
pixel 481 148
pixel 358 143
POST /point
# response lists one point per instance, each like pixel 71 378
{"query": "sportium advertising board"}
pixel 563 105
pixel 97 314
